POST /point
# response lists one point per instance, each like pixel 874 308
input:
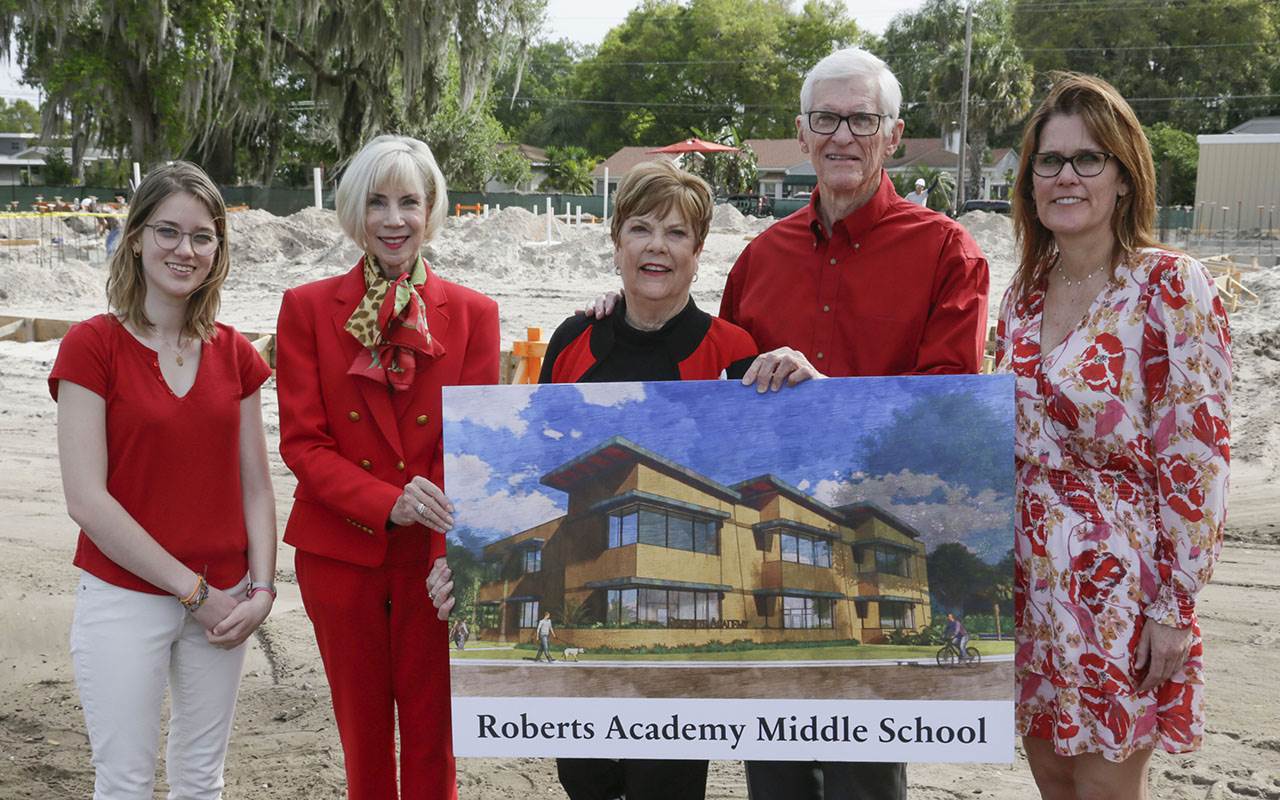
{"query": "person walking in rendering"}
pixel 460 634
pixel 545 633
pixel 164 467
pixel 361 361
pixel 1121 355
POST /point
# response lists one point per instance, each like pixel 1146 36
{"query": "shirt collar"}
pixel 862 219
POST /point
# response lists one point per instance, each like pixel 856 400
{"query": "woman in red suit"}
pixel 361 359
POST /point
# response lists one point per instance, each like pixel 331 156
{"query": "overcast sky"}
pixel 587 21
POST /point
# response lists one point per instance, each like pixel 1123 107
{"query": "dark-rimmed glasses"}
pixel 860 123
pixel 168 237
pixel 1086 164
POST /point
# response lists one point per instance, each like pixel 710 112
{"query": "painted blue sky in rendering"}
pixel 950 480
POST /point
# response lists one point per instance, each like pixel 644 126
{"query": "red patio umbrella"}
pixel 695 145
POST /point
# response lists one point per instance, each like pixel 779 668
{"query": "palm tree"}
pixel 1000 81
pixel 1001 592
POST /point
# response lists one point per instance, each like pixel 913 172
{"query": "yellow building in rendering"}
pixel 652 553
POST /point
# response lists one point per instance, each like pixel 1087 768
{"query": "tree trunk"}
pixel 976 152
pixel 996 606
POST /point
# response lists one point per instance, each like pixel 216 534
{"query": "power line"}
pixel 1124 5
pixel 912 103
pixel 1264 44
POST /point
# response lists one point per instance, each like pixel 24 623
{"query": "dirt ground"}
pixel 285 744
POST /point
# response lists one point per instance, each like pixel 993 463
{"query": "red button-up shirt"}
pixel 896 289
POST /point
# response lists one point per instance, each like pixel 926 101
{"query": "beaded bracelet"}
pixel 255 587
pixel 199 594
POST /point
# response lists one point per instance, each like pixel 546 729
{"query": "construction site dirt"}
pixel 285 744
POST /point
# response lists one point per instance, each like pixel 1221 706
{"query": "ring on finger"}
pixel 422 509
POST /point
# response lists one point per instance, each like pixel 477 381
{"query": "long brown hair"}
pixel 126 284
pixel 1112 123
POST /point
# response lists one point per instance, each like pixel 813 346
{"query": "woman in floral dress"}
pixel 1122 356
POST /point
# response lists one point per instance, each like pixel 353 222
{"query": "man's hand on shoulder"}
pixel 776 368
pixel 602 306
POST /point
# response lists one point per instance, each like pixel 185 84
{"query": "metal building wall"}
pixel 1238 175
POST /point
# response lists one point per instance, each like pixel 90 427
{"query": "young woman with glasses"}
pixel 1121 352
pixel 164 467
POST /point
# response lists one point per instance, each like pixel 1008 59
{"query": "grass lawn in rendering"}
pixel 862 652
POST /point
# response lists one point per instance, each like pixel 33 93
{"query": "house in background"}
pixel 784 170
pixel 774 157
pixel 29 159
pixel 12 168
pixel 538 170
pixel 653 553
pixel 620 162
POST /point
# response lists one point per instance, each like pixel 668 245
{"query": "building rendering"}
pixel 652 553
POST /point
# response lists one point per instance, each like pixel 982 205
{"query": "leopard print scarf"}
pixel 391 322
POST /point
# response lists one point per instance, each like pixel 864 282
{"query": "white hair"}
pixel 854 62
pixel 399 159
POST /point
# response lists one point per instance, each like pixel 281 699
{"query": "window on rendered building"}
pixel 896 615
pixel 800 549
pixel 806 612
pixel 893 562
pixel 529 614
pixel 662 607
pixel 662 528
pixel 532 561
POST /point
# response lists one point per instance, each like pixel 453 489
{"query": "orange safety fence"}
pixel 458 208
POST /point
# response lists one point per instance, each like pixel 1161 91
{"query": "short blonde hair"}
pixel 402 159
pixel 1112 123
pixel 126 284
pixel 653 187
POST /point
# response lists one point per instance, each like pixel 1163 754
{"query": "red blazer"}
pixel 352 445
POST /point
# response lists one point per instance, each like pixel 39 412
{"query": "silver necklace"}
pixel 1062 273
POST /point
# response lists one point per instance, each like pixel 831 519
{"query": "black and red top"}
pixel 692 346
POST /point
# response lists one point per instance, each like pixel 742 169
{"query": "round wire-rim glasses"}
pixel 1086 164
pixel 168 237
pixel 860 123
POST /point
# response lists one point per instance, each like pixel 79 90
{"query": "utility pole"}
pixel 964 104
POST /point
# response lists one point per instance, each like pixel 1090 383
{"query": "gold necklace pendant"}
pixel 178 358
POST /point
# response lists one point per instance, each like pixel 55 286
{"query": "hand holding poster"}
pixel 692 570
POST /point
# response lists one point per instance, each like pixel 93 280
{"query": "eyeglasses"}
pixel 860 123
pixel 1086 164
pixel 168 237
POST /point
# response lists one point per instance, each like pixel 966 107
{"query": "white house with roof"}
pixel 22 159
pixel 11 167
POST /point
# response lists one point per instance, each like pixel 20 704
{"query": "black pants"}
pixel 632 778
pixel 826 780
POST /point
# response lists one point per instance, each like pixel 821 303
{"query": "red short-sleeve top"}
pixel 173 462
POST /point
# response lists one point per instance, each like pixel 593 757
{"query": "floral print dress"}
pixel 1122 460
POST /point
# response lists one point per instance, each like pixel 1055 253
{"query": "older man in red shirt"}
pixel 860 282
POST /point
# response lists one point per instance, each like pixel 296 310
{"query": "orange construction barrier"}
pixel 530 355
pixel 458 208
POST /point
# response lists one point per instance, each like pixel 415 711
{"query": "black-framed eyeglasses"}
pixel 1086 164
pixel 860 123
pixel 168 237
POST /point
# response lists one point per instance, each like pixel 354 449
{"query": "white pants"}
pixel 126 647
